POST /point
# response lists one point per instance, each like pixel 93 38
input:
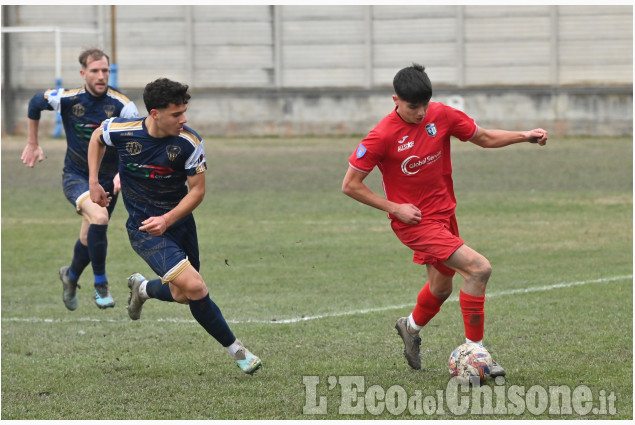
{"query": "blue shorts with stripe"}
pixel 170 252
pixel 77 191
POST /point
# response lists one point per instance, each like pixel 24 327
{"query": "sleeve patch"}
pixel 361 151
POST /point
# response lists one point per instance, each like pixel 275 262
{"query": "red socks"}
pixel 427 306
pixel 472 308
pixel 473 311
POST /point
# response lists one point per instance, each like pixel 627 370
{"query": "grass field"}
pixel 313 282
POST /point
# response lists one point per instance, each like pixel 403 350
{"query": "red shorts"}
pixel 433 241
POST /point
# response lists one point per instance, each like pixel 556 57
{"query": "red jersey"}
pixel 414 159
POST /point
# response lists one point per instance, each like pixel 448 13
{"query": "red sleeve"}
pixel 369 152
pixel 461 126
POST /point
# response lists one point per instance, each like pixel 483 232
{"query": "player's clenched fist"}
pixel 154 225
pixel 98 195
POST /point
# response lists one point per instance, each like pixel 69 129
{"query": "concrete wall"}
pixel 296 70
pixel 266 113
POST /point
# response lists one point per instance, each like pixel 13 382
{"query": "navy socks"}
pixel 97 249
pixel 94 253
pixel 207 313
pixel 80 261
pixel 159 290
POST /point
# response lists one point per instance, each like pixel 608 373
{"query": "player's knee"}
pixel 200 286
pixel 195 288
pixel 191 287
pixel 101 219
pixel 482 270
pixel 179 296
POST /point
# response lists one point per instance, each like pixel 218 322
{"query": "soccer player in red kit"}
pixel 411 148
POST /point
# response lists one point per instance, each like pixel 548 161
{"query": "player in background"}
pixel 160 159
pixel 82 110
pixel 411 148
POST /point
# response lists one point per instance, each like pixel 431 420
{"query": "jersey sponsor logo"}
pixel 431 129
pixel 84 131
pixel 109 110
pixel 413 164
pixel 361 151
pixel 133 147
pixel 149 171
pixel 78 110
pixel 402 140
pixel 172 151
pixel 408 145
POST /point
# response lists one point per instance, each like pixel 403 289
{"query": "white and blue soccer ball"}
pixel 470 363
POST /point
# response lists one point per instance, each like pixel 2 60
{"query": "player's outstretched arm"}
pixel 32 151
pixel 96 150
pixel 500 138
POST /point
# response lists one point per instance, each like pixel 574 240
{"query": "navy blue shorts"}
pixel 169 254
pixel 77 190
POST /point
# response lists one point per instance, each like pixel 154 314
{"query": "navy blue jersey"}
pixel 81 114
pixel 153 171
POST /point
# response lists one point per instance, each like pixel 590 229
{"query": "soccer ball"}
pixel 470 362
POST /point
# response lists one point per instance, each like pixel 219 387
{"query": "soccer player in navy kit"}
pixel 162 168
pixel 82 111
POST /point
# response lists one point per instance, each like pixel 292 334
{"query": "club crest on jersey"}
pixel 361 151
pixel 78 110
pixel 431 129
pixel 172 151
pixel 133 148
pixel 109 110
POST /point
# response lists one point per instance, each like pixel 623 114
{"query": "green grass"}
pixel 279 241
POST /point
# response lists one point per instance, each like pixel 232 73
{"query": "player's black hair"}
pixel 160 93
pixel 94 54
pixel 413 85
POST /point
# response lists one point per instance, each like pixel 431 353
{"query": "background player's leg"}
pixel 81 259
pixel 97 243
pixel 70 275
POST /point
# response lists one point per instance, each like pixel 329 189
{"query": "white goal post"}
pixel 57 31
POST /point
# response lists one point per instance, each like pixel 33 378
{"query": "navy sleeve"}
pixel 37 104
